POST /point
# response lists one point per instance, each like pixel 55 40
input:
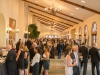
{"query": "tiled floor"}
pixel 57 67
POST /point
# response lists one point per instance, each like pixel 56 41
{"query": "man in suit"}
pixel 28 43
pixel 32 54
pixel 95 58
pixel 18 44
pixel 11 61
pixel 75 57
pixel 60 49
pixel 84 53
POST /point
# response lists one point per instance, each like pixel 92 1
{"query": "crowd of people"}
pixel 36 53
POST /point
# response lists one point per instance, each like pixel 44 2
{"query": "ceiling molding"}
pixel 53 15
pixel 48 25
pixel 54 27
pixel 57 12
pixel 52 19
pixel 60 25
pixel 78 5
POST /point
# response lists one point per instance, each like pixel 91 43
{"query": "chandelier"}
pixel 52 10
pixel 52 23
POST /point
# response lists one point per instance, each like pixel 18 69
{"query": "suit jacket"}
pixel 32 53
pixel 85 53
pixel 95 56
pixel 75 67
pixel 17 46
pixel 59 47
pixel 11 60
pixel 28 44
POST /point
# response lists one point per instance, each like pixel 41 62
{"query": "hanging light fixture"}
pixel 52 10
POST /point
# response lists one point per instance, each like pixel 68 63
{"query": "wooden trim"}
pixel 57 25
pixel 80 6
pixel 70 16
pixel 49 25
pixel 57 12
pixel 84 34
pixel 94 33
pixel 50 21
pixel 54 28
pixel 53 15
pixel 51 18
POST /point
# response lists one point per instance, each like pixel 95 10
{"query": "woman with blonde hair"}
pixel 26 53
pixel 20 59
pixel 46 61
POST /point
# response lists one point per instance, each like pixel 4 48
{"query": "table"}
pixel 3 70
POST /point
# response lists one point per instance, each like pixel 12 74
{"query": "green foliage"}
pixel 32 28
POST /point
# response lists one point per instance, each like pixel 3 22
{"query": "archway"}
pixel 2 31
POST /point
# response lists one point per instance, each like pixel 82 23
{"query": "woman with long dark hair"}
pixel 68 61
pixel 35 62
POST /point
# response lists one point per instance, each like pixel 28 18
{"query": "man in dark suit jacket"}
pixel 84 53
pixel 32 54
pixel 11 61
pixel 29 43
pixel 75 56
pixel 60 49
pixel 95 58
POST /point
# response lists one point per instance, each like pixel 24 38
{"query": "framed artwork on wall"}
pixel 12 25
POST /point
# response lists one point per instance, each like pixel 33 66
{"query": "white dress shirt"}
pixel 76 58
pixel 35 59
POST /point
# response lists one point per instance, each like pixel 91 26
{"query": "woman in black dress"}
pixel 20 59
pixel 26 60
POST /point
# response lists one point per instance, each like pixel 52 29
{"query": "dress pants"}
pixel 59 54
pixel 40 66
pixel 77 72
pixel 13 72
pixel 97 68
pixel 35 70
pixel 84 67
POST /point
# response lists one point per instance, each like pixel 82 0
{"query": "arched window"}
pixel 85 33
pixel 94 32
pixel 80 34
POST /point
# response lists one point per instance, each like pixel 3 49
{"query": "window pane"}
pixel 94 27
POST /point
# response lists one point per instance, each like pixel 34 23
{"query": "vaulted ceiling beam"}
pixel 54 27
pixel 57 12
pixel 51 18
pixel 53 15
pixel 80 6
pixel 40 18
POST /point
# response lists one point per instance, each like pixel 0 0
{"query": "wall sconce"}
pixel 17 30
pixel 68 34
pixel 76 33
pixel 9 30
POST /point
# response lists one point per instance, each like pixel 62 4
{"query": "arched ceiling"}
pixel 72 11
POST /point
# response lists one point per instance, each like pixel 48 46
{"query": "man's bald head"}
pixel 8 47
pixel 34 45
pixel 94 44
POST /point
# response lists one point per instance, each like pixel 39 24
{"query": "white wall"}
pixel 15 9
pixel 45 30
pixel 88 22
